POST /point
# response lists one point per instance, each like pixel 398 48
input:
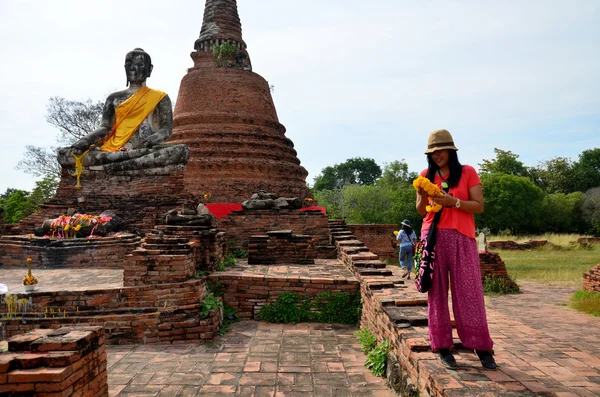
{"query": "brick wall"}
pixel 106 252
pixel 281 247
pixel 247 294
pixel 512 245
pixel 163 313
pixel 491 265
pixel 63 362
pixel 378 238
pixel 591 279
pixel 139 199
pixel 240 225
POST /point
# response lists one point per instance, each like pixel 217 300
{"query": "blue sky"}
pixel 352 78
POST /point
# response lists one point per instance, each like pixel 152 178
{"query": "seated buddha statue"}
pixel 135 123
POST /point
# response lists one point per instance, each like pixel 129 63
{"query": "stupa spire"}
pixel 221 24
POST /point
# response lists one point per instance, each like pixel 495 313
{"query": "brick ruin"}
pixel 591 279
pixel 226 115
pixel 49 363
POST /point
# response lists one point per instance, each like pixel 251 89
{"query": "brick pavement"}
pixel 544 345
pixel 254 359
pixel 542 348
pixel 63 279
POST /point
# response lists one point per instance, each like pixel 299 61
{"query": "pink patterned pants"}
pixel 457 257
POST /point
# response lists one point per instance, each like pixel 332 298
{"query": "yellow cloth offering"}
pixel 129 115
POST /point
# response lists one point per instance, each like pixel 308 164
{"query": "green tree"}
pixel 590 209
pixel 511 202
pixel 396 175
pixel 561 213
pixel 354 171
pixel 18 204
pixel 506 162
pixel 586 171
pixel 553 175
pixel 367 204
pixel 332 200
pixel 74 120
pixel 15 205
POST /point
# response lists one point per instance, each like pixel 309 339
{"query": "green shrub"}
pixel 377 359
pixel 587 302
pixel 240 253
pixel 229 317
pixel 228 262
pixel 209 304
pixel 337 308
pixel 291 308
pixel 367 340
pixel 499 286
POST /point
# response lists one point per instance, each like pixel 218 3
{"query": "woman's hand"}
pixel 445 199
pixel 422 193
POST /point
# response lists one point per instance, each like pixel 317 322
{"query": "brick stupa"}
pixel 225 114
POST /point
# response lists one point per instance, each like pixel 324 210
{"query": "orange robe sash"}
pixel 129 115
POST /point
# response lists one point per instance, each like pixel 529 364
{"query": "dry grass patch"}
pixel 564 266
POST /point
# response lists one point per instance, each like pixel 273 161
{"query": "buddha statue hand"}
pixel 80 146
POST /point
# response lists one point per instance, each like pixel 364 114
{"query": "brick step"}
pixel 343 232
pixel 374 272
pixel 379 284
pixel 373 264
pixel 183 252
pixel 335 239
pixel 353 250
pixel 356 243
pixel 153 239
pixel 364 257
pixel 166 246
pixel 412 315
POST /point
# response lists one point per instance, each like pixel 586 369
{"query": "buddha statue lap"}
pixel 135 123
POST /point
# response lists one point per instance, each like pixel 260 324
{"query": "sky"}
pixel 351 78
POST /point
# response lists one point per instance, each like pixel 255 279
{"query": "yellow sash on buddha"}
pixel 128 117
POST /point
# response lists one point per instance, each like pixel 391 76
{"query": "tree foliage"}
pixel 396 175
pixel 40 162
pixel 590 208
pixel 506 162
pixel 586 171
pixel 18 204
pixel 511 202
pixel 354 171
pixel 74 120
pixel 553 175
pixel 561 213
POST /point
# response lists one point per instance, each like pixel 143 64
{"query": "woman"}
pixel 406 238
pixel 456 253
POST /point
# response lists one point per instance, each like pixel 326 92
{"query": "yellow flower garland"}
pixel 432 190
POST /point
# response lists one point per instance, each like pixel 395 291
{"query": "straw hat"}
pixel 438 140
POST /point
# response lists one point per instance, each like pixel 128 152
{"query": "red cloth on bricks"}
pixel 314 207
pixel 223 209
pixel 220 210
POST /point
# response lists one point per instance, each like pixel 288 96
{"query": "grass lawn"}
pixel 564 266
pixel 587 302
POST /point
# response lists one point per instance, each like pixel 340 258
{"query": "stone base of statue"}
pixel 139 196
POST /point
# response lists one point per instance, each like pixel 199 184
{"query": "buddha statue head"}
pixel 138 66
